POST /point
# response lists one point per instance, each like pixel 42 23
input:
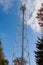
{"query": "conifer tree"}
pixel 39 51
pixel 39 44
pixel 3 61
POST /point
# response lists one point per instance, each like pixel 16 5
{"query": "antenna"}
pixel 23 12
pixel 21 46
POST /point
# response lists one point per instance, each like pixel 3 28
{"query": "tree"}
pixel 39 44
pixel 3 61
pixel 40 16
pixel 6 62
pixel 39 52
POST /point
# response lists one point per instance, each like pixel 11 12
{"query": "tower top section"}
pixel 23 8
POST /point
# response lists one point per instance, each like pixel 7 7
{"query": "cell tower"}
pixel 21 45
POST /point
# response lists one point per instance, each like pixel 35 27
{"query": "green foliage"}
pixel 6 62
pixel 39 51
pixel 3 62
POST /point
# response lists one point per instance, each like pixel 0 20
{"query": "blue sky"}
pixel 8 25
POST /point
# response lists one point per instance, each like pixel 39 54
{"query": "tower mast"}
pixel 23 12
pixel 21 42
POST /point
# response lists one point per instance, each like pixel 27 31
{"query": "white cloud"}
pixel 6 4
pixel 32 7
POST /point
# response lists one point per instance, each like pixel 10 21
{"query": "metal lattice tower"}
pixel 22 58
pixel 23 11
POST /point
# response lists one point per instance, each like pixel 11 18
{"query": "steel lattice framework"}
pixel 21 46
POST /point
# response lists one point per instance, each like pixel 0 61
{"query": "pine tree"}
pixel 3 61
pixel 39 44
pixel 39 52
pixel 40 16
